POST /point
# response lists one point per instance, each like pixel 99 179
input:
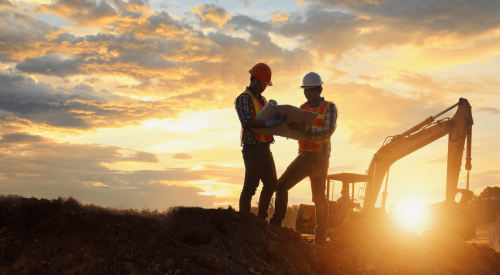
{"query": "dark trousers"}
pixel 314 166
pixel 259 166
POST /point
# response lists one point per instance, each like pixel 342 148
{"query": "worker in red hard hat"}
pixel 313 158
pixel 257 156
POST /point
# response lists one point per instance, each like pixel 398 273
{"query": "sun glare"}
pixel 411 214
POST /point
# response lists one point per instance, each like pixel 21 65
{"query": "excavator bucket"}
pixel 452 219
pixel 494 235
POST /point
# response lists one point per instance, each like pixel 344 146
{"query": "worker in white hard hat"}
pixel 313 158
pixel 257 156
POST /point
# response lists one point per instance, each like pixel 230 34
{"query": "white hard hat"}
pixel 311 80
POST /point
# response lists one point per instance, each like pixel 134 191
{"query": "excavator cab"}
pixel 345 207
pixel 451 218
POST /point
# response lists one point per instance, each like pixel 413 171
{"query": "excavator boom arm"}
pixel 458 128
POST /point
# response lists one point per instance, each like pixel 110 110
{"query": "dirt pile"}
pixel 65 237
pixel 378 247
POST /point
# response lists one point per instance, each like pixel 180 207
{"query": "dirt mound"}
pixel 65 237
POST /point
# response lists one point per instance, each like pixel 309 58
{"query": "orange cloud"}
pixel 278 16
pixel 211 14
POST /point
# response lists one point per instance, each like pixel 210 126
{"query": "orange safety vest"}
pixel 257 107
pixel 314 145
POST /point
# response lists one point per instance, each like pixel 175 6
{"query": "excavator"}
pixel 451 217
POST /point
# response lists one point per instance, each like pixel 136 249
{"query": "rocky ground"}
pixel 65 237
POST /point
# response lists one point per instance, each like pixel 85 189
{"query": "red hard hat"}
pixel 262 72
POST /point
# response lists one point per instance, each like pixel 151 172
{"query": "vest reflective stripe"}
pixel 257 107
pixel 314 145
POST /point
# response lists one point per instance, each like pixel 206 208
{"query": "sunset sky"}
pixel 131 103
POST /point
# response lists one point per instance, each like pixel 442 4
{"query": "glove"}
pixel 275 120
pixel 273 102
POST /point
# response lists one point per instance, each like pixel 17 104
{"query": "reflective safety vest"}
pixel 257 107
pixel 314 145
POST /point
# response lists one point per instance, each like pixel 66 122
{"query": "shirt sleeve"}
pixel 243 106
pixel 330 123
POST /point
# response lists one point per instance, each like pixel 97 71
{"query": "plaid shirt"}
pixel 244 108
pixel 329 125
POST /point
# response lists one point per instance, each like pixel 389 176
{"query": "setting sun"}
pixel 411 214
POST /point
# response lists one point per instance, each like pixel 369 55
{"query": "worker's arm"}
pixel 255 123
pixel 330 123
pixel 243 105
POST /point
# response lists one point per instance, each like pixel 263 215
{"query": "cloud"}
pixel 20 138
pixel 488 110
pixel 315 28
pixel 183 156
pixel 91 12
pixel 278 16
pixel 5 3
pixel 33 165
pixel 426 16
pixel 246 3
pixel 371 114
pixel 197 70
pixel 480 180
pixel 369 78
pixel 49 66
pixel 438 160
pixel 93 80
pixel 211 15
pixel 80 107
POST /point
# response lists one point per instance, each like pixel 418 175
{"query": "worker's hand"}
pixel 275 120
pixel 273 102
pixel 292 125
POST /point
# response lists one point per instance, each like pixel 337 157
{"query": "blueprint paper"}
pixel 293 114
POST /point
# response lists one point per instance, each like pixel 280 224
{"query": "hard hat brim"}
pixel 308 87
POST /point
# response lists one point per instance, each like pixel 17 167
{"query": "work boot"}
pixel 320 241
pixel 275 224
pixel 263 219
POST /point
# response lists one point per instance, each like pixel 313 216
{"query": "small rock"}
pixel 251 270
pixel 256 273
pixel 178 271
pixel 169 263
pixel 44 262
pixel 36 240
